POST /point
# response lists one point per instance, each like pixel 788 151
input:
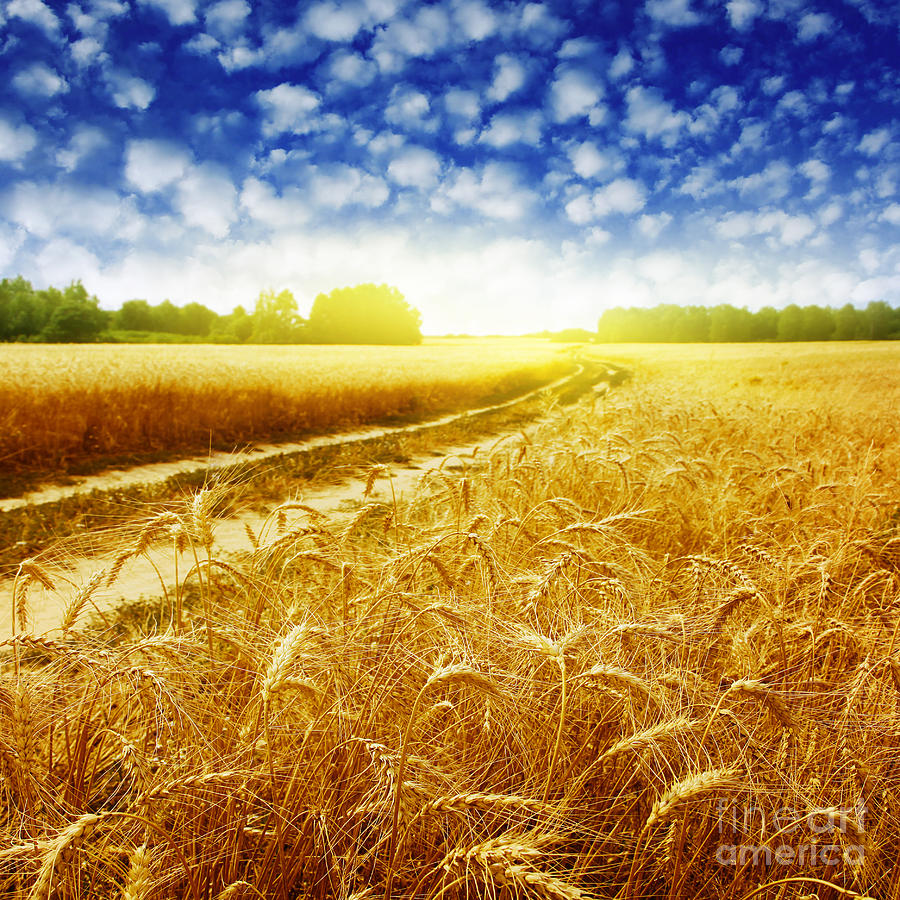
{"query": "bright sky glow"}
pixel 508 166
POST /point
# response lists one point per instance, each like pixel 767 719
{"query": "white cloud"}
pixel 475 20
pixel 652 226
pixel 338 185
pixel 86 51
pixel 49 210
pixel 61 261
pixel 574 93
pixel 463 104
pixel 830 213
pixel 891 214
pixel 239 56
pixel 576 48
pixel 16 141
pixel 510 74
pixel 207 199
pixel 701 182
pixel 287 107
pixel 773 182
pixel 129 91
pixel 261 202
pixel 815 170
pixel 622 64
pixel 624 196
pixel 151 165
pixel 772 85
pixel 84 141
pixel 835 123
pixel 178 12
pixel 676 13
pixel 731 55
pixel 351 68
pixel 226 18
pixel 202 44
pixel 335 21
pixel 793 102
pixel 785 229
pixel 407 107
pixel 539 26
pixel 505 129
pixel 874 142
pixel 422 36
pixel 36 12
pixel 813 25
pixel 652 116
pixel 741 13
pixel 11 238
pixel 495 191
pixel 415 167
pixel 589 161
pixel 39 80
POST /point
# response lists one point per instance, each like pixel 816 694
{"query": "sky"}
pixel 509 166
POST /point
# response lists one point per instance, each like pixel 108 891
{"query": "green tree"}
pixel 135 315
pixel 818 323
pixel 365 314
pixel 276 319
pixel 765 324
pixel 76 318
pixel 790 323
pixel 728 324
pixel 197 319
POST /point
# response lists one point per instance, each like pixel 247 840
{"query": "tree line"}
pixel 668 323
pixel 365 314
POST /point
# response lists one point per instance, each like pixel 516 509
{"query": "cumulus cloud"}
pixel 652 226
pixel 874 142
pixel 773 182
pixel 463 104
pixel 589 161
pixel 86 51
pixel 263 204
pixel 781 227
pixel 731 55
pixel 335 21
pixel 350 68
pixel 622 64
pixel 495 191
pixel 652 116
pixel 226 18
pixel 16 141
pixel 742 13
pixel 84 141
pixel 772 85
pixel 891 214
pixel 818 173
pixel 416 167
pixel 129 91
pixel 474 19
pixel 421 36
pixel 287 107
pixel 574 93
pixel 624 196
pixel 178 12
pixel 207 199
pixel 408 107
pixel 510 74
pixel 675 13
pixel 36 12
pixel 338 185
pixel 151 165
pixel 505 129
pixel 39 80
pixel 794 103
pixel 813 25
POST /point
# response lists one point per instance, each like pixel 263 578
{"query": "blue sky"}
pixel 508 166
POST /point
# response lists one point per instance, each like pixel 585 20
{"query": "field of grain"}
pixel 63 405
pixel 647 650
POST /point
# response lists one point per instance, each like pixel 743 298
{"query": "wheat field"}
pixel 64 405
pixel 647 649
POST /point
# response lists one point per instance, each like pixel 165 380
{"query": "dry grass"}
pixel 680 603
pixel 63 404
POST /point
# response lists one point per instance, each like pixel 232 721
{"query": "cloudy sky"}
pixel 508 166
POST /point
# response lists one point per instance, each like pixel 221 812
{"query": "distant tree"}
pixel 847 323
pixel 790 323
pixel 235 328
pixel 818 323
pixel 135 315
pixel 365 314
pixel 730 324
pixel 18 312
pixel 76 318
pixel 196 319
pixel 166 317
pixel 276 319
pixel 878 320
pixel 765 324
